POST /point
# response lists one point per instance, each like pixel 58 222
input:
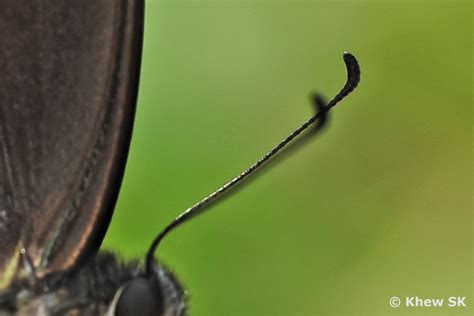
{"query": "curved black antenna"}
pixel 353 77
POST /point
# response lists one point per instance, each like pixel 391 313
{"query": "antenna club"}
pixel 353 70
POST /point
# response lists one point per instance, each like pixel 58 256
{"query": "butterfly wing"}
pixel 68 86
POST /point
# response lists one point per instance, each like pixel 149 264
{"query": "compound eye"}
pixel 139 296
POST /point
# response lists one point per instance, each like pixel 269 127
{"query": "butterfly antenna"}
pixel 353 78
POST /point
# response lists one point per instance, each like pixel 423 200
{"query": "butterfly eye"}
pixel 139 296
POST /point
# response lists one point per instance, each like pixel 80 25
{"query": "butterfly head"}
pixel 154 293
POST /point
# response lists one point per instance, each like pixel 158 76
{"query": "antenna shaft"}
pixel 353 77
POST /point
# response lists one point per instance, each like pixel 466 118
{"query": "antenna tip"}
pixel 348 57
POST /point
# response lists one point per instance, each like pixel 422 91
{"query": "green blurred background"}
pixel 378 205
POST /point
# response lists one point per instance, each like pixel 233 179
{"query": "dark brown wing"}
pixel 68 85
